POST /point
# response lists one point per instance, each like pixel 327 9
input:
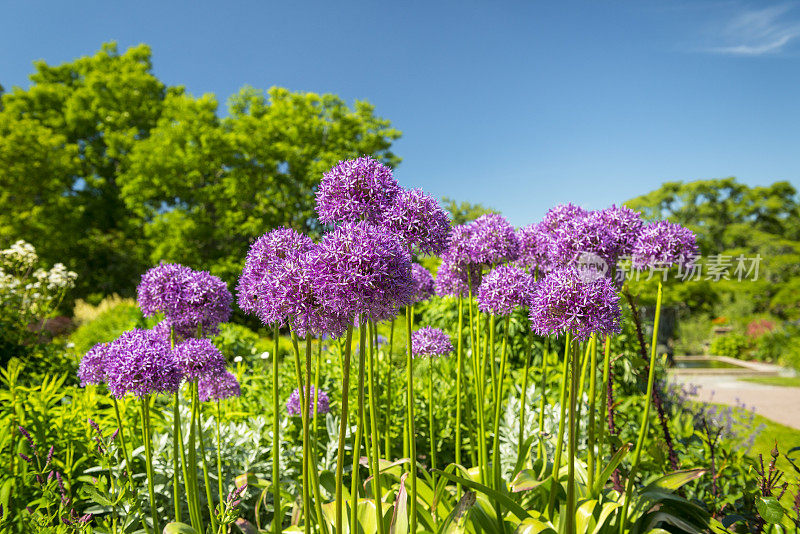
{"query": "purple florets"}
pixel 257 285
pixel 218 387
pixel 461 248
pixel 92 369
pixel 294 407
pixel 423 283
pixel 362 268
pixel 664 243
pixel 453 279
pixel 623 225
pixel 504 289
pixel 534 247
pixel 198 358
pixel 190 300
pixel 360 189
pixel 558 215
pixel 429 341
pixel 563 302
pixel 493 240
pixel 141 362
pixel 418 221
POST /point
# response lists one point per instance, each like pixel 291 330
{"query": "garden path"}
pixel 779 403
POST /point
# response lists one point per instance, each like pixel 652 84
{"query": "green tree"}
pixel 464 212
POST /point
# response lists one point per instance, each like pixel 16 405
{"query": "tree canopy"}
pixel 105 168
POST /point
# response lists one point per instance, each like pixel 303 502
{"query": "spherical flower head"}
pixel 429 341
pixel 419 221
pixel 198 358
pixel 563 301
pixel 363 269
pixel 141 362
pixel 494 240
pixel 92 369
pixel 580 236
pixel 461 248
pixel 360 189
pixel 296 294
pixel 558 215
pixel 294 406
pixel 664 244
pixel 534 247
pixel 190 300
pixel 218 387
pixel 453 279
pixel 504 289
pixel 423 283
pixel 264 259
pixel 623 226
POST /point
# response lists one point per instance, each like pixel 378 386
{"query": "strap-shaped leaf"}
pixel 504 500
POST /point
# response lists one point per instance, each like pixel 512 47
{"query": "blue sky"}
pixel 517 105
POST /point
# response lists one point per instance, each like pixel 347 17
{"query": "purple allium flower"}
pixel 190 300
pixel 560 214
pixel 504 289
pixel 198 358
pixel 294 407
pixel 362 268
pixel 297 294
pixel 141 362
pixel 623 225
pixel 419 221
pixel 580 236
pixel 423 283
pixel 92 369
pixel 430 341
pixel 494 240
pixel 664 243
pixel 563 301
pixel 360 189
pixel 256 289
pixel 218 387
pixel 453 279
pixel 461 247
pixel 534 247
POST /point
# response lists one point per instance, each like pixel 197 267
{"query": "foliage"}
pixel 107 325
pixel 110 170
pixel 464 212
pixel 731 345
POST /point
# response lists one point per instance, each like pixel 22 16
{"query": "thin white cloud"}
pixel 758 32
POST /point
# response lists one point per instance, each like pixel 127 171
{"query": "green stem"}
pixel 187 481
pixel 431 429
pixel 176 418
pixel 570 513
pixel 343 428
pixel 524 396
pixel 206 478
pixel 304 405
pixel 561 427
pixel 219 457
pixel 592 398
pixel 410 419
pixel 148 452
pixel 645 415
pixel 474 330
pixel 355 478
pixel 192 468
pixel 312 440
pixel 277 519
pixel 459 378
pixel 373 412
pixel 388 418
pixel 543 400
pixel 497 413
pixel 603 398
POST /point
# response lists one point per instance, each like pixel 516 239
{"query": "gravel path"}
pixel 781 404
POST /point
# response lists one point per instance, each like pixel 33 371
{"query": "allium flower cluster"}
pixel 360 189
pixel 257 286
pixel 294 406
pixel 461 248
pixel 362 268
pixel 664 243
pixel 504 289
pixel 535 245
pixel 453 279
pixel 218 387
pixel 563 302
pixel 190 300
pixel 92 369
pixel 141 362
pixel 493 240
pixel 557 216
pixel 423 283
pixel 429 341
pixel 419 221
pixel 623 226
pixel 198 358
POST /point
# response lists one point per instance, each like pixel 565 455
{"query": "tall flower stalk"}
pixel 276 444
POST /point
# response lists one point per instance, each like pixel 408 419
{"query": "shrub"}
pixel 732 345
pixel 107 326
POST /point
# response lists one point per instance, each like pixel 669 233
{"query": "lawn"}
pixel 783 381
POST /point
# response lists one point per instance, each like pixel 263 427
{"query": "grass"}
pixel 784 381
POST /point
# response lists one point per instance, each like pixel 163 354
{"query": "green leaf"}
pixel 504 500
pixel 584 515
pixel 675 480
pixel 769 509
pixel 612 464
pixel 533 526
pixel 399 524
pixel 527 480
pixel 178 528
pixel 98 498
